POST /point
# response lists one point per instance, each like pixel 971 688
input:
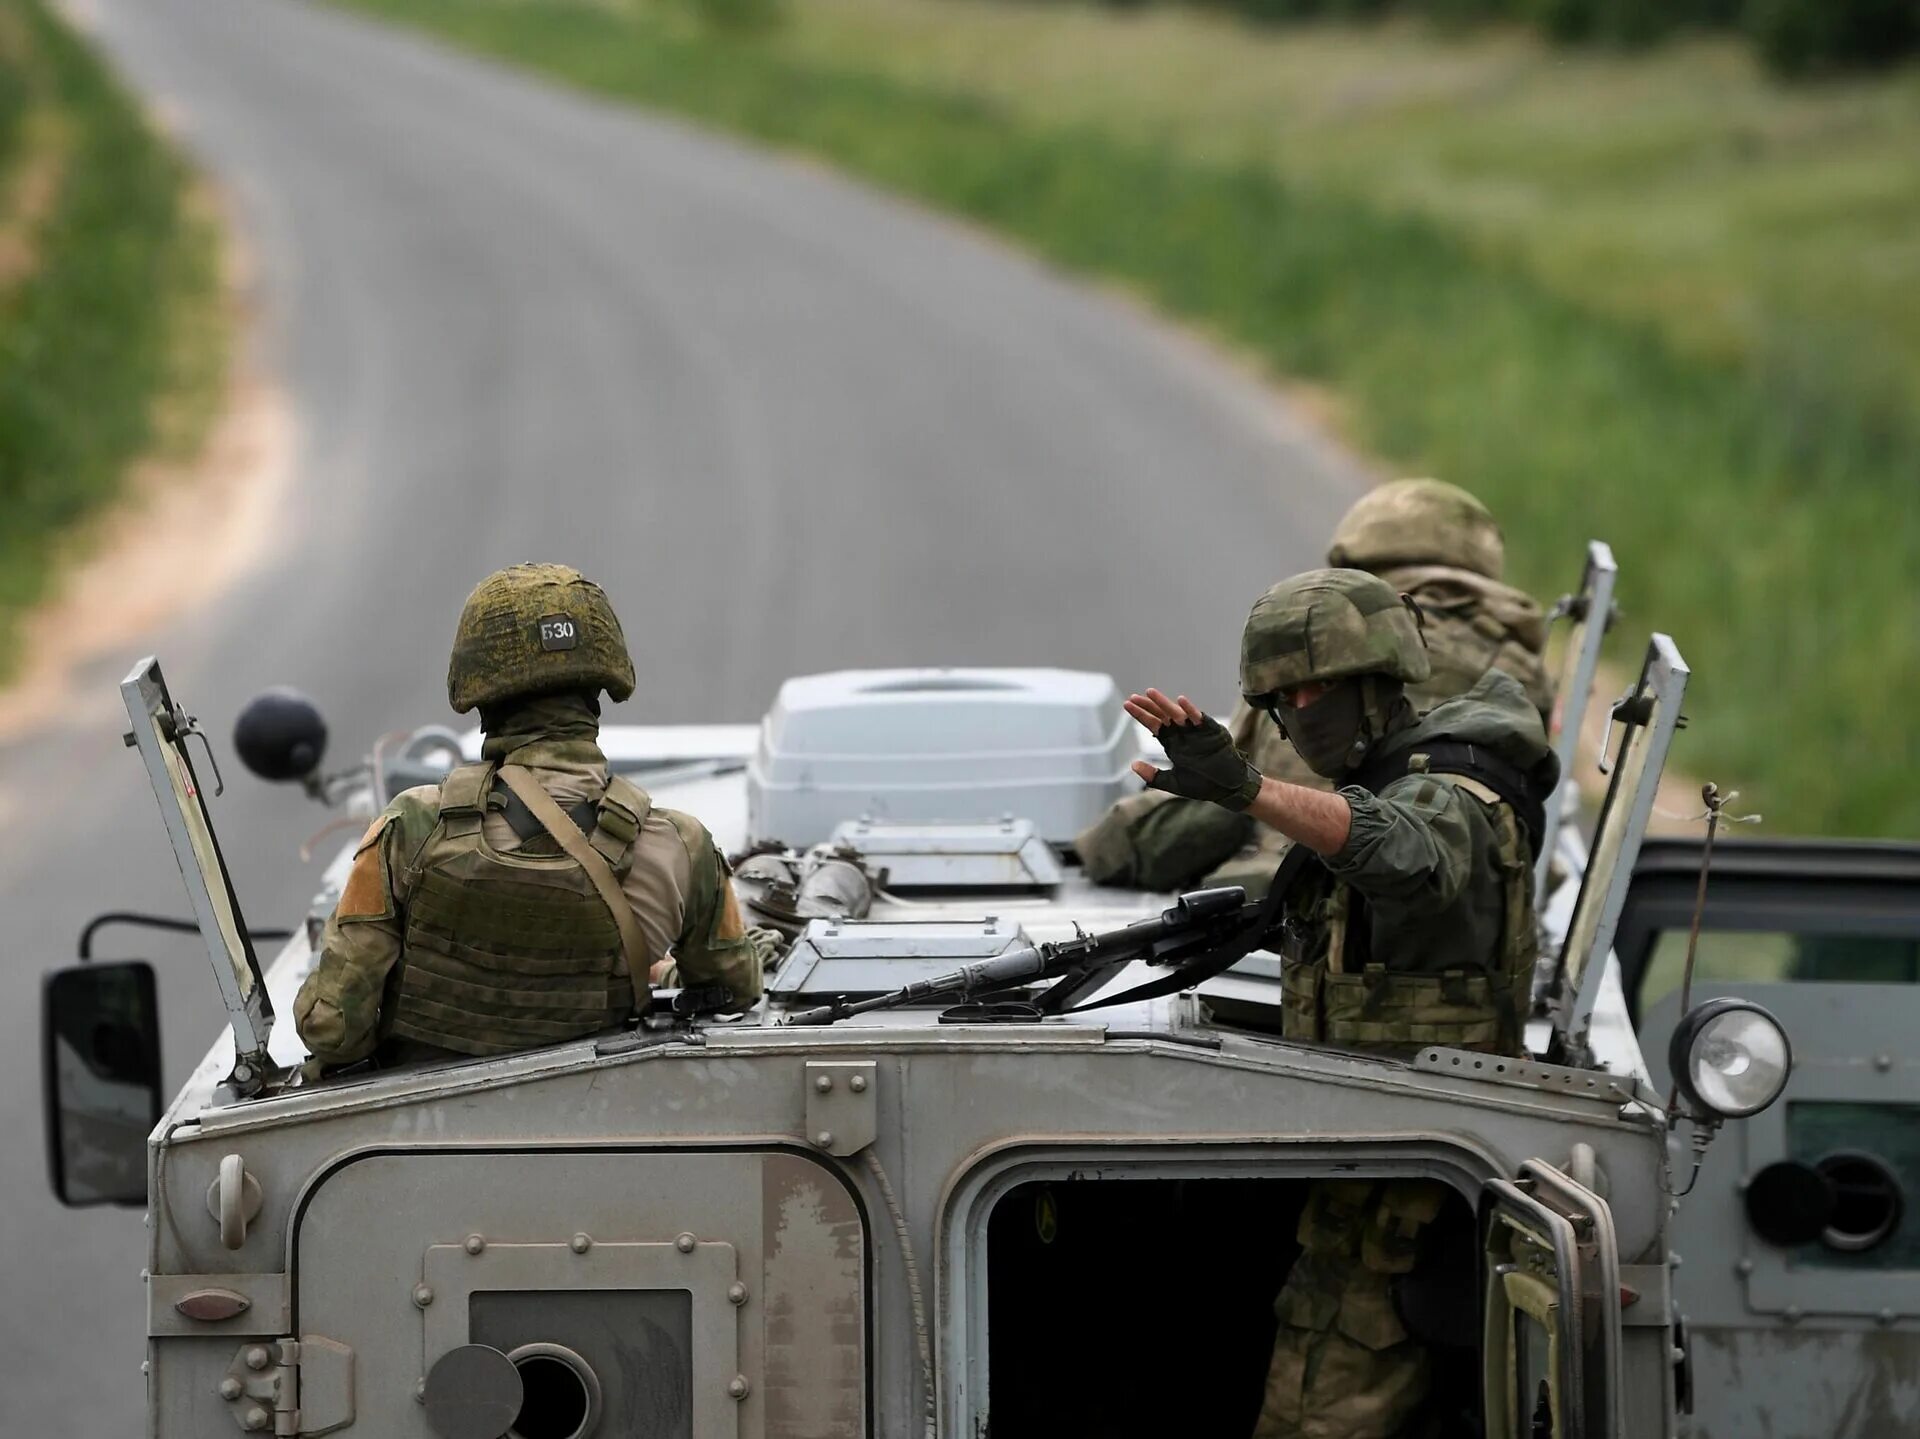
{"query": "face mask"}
pixel 1327 733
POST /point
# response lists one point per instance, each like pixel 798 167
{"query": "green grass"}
pixel 1744 219
pixel 111 346
pixel 1763 506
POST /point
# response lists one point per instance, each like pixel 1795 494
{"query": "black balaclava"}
pixel 1334 733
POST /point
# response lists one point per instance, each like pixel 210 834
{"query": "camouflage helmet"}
pixel 1418 522
pixel 1326 625
pixel 534 629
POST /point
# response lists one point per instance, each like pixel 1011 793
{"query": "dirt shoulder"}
pixel 186 527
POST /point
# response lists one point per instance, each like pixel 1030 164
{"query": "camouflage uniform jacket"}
pixel 1162 842
pixel 677 885
pixel 1437 878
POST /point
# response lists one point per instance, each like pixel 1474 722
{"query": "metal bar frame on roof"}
pixel 1645 720
pixel 1591 608
pixel 160 730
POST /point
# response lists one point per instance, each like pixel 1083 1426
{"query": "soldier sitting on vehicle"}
pixel 1411 924
pixel 1425 538
pixel 525 899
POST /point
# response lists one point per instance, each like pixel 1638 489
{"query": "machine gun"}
pixel 1203 933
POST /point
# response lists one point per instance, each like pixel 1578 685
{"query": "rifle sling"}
pixel 570 838
pixel 1206 966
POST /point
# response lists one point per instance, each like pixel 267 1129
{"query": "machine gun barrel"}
pixel 1195 919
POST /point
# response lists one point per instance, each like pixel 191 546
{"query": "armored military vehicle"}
pixel 999 1153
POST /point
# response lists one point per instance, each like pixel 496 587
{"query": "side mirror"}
pixel 280 735
pixel 100 1052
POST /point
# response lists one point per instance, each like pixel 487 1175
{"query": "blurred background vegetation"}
pixel 1795 37
pixel 1661 295
pixel 112 334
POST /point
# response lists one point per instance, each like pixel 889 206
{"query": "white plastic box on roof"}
pixel 940 745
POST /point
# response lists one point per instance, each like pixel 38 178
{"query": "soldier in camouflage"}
pixel 526 899
pixel 1425 538
pixel 1412 926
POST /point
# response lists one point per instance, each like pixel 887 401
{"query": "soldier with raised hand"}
pixel 1412 925
pixel 525 899
pixel 1427 539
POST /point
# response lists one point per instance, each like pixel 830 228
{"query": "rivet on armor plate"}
pixel 736 1293
pixel 1791 1314
pixel 1885 1316
pixel 420 1391
pixel 475 1243
pixel 685 1243
pixel 823 1082
pixel 824 1139
pixel 1883 1062
pixel 230 1388
pixel 257 1357
pixel 580 1243
pixel 858 1084
pixel 423 1295
pixel 257 1418
pixel 1745 1266
pixel 737 1386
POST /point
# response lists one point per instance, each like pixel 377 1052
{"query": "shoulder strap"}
pixel 1469 761
pixel 524 823
pixel 465 787
pixel 619 816
pixel 463 798
pixel 567 834
pixel 1477 788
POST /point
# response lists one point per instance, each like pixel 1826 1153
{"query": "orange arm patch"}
pixel 730 926
pixel 367 894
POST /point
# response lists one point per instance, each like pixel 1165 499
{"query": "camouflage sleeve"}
pixel 714 946
pixel 337 1011
pixel 1411 848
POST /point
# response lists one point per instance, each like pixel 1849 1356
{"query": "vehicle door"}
pixel 586 1293
pixel 1801 1240
pixel 1551 1283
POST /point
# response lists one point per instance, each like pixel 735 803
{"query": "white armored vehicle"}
pixel 930 1185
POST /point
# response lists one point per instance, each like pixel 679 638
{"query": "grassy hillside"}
pixel 110 336
pixel 1746 220
pixel 1658 301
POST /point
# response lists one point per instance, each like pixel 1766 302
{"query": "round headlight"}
pixel 1730 1058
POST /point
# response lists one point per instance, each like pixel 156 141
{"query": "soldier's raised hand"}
pixel 1204 764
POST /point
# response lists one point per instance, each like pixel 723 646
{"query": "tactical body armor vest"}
pixel 506 951
pixel 1333 991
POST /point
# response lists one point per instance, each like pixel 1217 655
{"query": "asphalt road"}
pixel 791 425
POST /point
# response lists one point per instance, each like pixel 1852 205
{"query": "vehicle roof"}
pixel 1856 860
pixel 701 769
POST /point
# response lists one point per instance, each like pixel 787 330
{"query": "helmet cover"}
pixel 536 629
pixel 1325 625
pixel 1418 522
